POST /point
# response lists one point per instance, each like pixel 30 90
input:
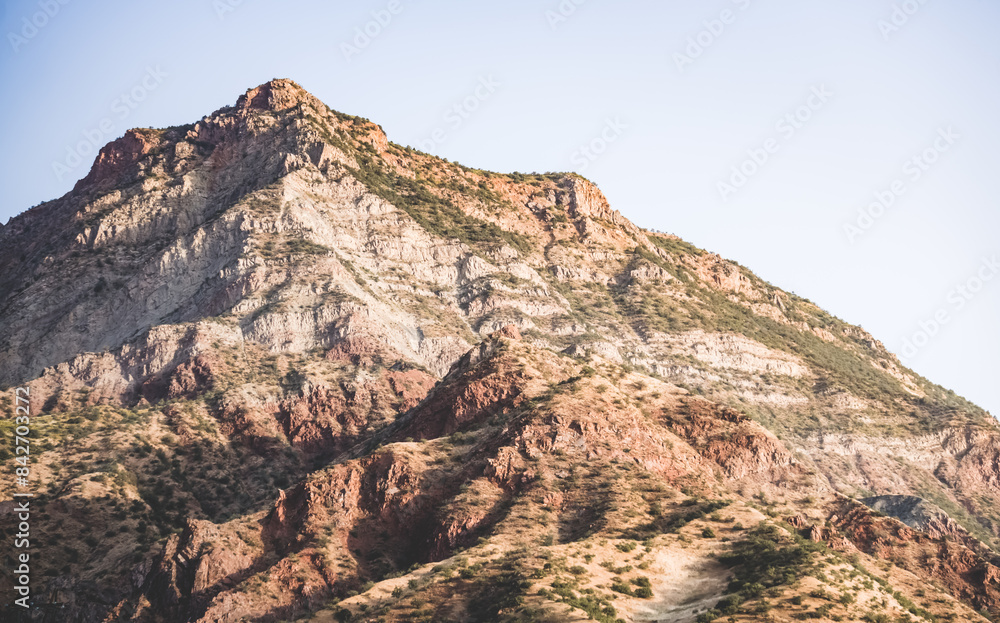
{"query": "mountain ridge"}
pixel 227 325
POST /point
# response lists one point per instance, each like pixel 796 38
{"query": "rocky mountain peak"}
pixel 118 156
pixel 276 95
pixel 287 365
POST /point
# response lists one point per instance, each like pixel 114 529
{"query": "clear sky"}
pixel 866 130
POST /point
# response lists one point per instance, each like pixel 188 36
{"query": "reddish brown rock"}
pixel 118 157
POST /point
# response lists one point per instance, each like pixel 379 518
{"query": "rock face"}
pixel 917 513
pixel 969 572
pixel 282 366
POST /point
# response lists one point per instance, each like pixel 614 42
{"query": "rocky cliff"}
pixel 283 367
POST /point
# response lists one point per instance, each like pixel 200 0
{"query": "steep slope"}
pixel 260 352
pixel 520 446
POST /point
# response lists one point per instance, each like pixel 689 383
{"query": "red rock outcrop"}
pixel 739 445
pixel 118 157
pixel 965 572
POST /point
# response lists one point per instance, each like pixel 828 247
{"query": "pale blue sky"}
pixel 609 68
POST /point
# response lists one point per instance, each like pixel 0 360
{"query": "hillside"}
pixel 282 368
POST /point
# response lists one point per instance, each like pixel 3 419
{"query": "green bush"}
pixel 763 559
pixel 619 586
pixel 708 616
pixel 729 604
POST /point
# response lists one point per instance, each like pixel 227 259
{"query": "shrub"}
pixel 618 586
pixel 762 559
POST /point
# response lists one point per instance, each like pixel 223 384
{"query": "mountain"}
pixel 282 368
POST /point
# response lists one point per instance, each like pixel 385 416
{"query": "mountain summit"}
pixel 282 367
